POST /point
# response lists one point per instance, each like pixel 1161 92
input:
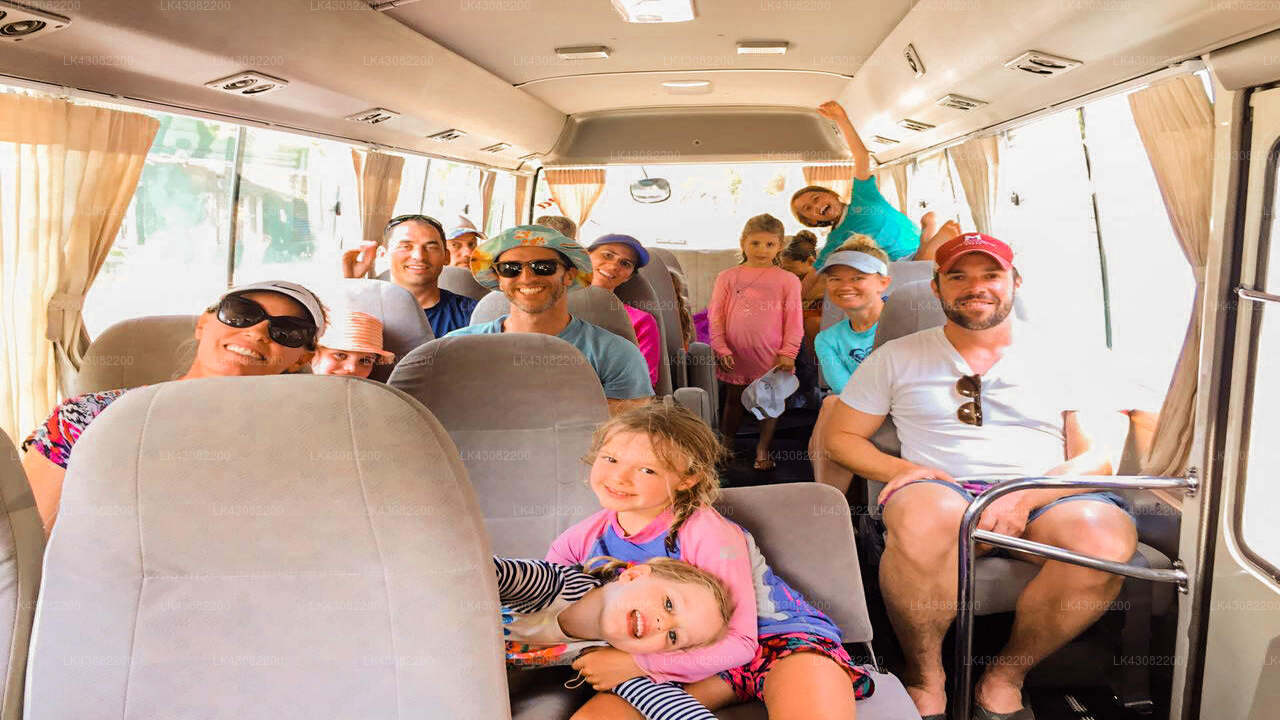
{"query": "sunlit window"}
pixel 171 254
pixel 453 192
pixel 502 210
pixel 413 186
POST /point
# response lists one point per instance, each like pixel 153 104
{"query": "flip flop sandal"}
pixel 764 465
pixel 1022 713
pixel 935 716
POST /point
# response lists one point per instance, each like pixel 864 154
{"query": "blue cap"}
pixel 458 232
pixel 642 255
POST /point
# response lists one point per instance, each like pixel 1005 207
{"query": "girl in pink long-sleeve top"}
pixel 757 324
pixel 653 469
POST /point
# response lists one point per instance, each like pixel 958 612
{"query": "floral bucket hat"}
pixel 488 252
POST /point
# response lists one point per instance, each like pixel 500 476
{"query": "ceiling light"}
pixel 582 52
pixel 764 47
pixel 914 125
pixel 960 102
pixel 1042 64
pixel 447 135
pixel 374 116
pixel 247 83
pixel 687 87
pixel 654 11
pixel 496 147
pixel 18 23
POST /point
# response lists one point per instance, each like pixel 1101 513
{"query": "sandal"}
pixel 764 465
pixel 1022 713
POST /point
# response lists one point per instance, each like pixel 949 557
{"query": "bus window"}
pixel 171 252
pixel 413 186
pixel 453 189
pixel 502 206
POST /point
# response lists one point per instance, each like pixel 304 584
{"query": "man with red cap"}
pixel 982 399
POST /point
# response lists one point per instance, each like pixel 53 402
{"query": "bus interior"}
pixel 300 546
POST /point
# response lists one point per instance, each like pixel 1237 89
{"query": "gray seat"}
pixel 286 551
pixel 590 304
pixel 639 294
pixel 460 280
pixel 21 549
pixel 404 325
pixel 521 408
pixel 138 351
pixel 830 579
pixel 668 316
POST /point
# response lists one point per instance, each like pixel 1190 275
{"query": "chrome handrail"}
pixel 970 535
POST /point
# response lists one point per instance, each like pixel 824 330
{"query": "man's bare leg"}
pixel 1063 600
pixel 918 582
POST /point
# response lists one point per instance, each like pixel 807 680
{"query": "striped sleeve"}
pixel 661 701
pixel 527 586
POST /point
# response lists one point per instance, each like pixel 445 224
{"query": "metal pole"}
pixel 967 581
pixel 233 213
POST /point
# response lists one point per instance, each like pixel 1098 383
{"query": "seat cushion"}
pixel 1002 579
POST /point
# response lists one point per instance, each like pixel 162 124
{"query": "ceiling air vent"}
pixel 960 102
pixel 374 116
pixel 1042 64
pixel 882 140
pixel 496 147
pixel 914 125
pixel 447 135
pixel 18 23
pixel 247 83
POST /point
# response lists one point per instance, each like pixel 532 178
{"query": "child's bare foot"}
pixel 949 230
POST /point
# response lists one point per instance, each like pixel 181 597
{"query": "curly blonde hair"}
pixel 607 569
pixel 682 442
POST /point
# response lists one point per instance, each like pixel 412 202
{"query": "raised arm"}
pixel 833 111
pixel 528 586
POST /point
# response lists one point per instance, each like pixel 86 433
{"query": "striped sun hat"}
pixel 357 332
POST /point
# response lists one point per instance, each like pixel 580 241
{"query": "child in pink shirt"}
pixel 653 469
pixel 756 324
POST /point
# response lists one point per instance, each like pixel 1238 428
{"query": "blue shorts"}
pixel 968 494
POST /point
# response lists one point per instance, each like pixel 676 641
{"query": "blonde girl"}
pixel 653 470
pixel 756 325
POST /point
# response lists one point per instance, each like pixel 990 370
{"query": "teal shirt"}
pixel 840 350
pixel 870 214
pixel 618 363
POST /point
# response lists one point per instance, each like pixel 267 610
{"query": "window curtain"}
pixel 893 177
pixel 1175 121
pixel 523 183
pixel 837 177
pixel 377 187
pixel 978 170
pixel 487 179
pixel 576 191
pixel 67 174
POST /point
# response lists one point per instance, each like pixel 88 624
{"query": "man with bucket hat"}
pixel 980 400
pixel 536 267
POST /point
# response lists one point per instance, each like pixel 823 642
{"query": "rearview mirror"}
pixel 650 190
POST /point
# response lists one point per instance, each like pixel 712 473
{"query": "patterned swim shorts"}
pixel 748 681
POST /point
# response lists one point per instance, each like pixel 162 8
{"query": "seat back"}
pixel 460 280
pixel 590 304
pixel 668 257
pixel 21 549
pixel 404 325
pixel 668 315
pixel 806 533
pixel 521 408
pixel 639 294
pixel 138 351
pixel 297 546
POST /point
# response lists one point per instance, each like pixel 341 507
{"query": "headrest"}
pixel 138 351
pixel 404 325
pixel 460 280
pixel 590 304
pixel 253 544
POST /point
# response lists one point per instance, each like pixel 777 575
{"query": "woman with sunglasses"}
pixel 265 328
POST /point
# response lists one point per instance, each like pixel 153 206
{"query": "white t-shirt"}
pixel 1024 395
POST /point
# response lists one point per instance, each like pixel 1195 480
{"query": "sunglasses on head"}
pixel 513 268
pixel 970 413
pixel 414 217
pixel 241 312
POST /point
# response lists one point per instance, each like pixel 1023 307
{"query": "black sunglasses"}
pixel 287 330
pixel 970 413
pixel 513 268
pixel 414 217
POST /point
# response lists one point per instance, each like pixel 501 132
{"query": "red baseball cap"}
pixel 952 250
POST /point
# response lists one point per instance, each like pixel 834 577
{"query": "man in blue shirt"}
pixel 535 267
pixel 415 246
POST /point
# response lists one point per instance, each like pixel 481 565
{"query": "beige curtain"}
pixel 377 186
pixel 67 174
pixel 893 178
pixel 576 191
pixel 978 170
pixel 487 179
pixel 837 177
pixel 522 199
pixel 1175 121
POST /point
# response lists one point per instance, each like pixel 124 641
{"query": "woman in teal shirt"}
pixel 867 212
pixel 857 277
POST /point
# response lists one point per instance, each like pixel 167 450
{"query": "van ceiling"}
pixel 488 67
